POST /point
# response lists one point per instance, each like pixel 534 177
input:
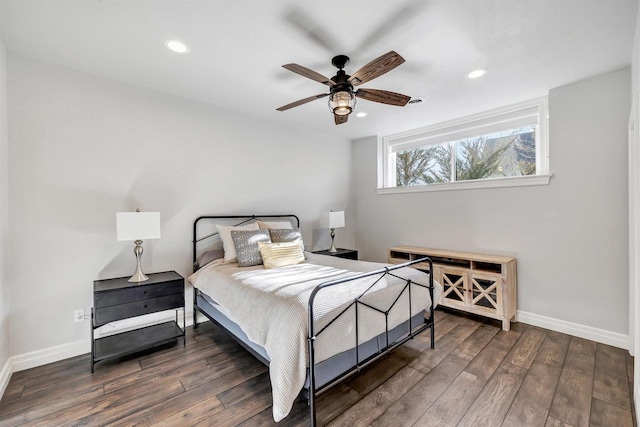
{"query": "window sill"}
pixel 518 181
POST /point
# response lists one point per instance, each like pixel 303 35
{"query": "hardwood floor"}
pixel 477 376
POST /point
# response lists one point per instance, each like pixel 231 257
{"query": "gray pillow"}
pixel 208 256
pixel 246 245
pixel 284 235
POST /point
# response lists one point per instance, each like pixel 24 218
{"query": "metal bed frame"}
pixel 313 392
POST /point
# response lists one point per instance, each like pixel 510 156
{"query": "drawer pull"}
pixel 144 293
pixel 144 306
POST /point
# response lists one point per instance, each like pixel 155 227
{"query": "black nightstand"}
pixel 342 253
pixel 118 299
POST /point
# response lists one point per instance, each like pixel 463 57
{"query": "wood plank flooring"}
pixel 478 375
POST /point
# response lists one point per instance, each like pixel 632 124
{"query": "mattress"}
pixel 270 307
pixel 325 371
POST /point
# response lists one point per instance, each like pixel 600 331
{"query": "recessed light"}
pixel 477 73
pixel 176 46
pixel 361 114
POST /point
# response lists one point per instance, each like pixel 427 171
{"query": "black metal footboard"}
pixel 377 276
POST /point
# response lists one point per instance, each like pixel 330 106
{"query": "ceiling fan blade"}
pixel 394 23
pixel 302 101
pixel 340 119
pixel 310 74
pixel 376 68
pixel 311 29
pixel 383 97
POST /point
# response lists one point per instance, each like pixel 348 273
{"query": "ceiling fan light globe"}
pixel 342 102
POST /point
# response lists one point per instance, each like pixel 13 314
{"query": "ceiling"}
pixel 238 47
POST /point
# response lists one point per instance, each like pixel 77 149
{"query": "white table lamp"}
pixel 336 220
pixel 137 226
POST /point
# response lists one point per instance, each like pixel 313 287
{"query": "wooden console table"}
pixel 475 283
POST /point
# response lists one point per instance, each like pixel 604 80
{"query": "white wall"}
pixel 84 147
pixel 4 304
pixel 569 238
pixel 634 215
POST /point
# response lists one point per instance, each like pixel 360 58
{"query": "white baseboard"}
pixel 50 355
pixel 582 331
pixel 39 358
pixel 5 376
pixel 77 348
pixel 56 353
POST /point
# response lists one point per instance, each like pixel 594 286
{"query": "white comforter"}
pixel 271 308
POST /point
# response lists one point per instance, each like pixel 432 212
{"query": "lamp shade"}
pixel 336 219
pixel 138 225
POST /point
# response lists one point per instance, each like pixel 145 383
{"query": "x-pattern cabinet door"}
pixel 454 286
pixel 485 292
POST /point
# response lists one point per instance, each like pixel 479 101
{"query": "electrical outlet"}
pixel 78 315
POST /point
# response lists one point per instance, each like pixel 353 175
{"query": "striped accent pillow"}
pixel 276 255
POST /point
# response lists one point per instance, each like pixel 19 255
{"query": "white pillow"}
pixel 276 255
pixel 275 225
pixel 227 242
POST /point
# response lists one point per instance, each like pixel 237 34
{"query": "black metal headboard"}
pixel 243 219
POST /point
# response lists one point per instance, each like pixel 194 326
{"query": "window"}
pixel 500 148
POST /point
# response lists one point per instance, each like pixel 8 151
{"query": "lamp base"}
pixel 138 276
pixel 333 249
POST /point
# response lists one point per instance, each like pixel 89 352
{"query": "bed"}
pixel 313 323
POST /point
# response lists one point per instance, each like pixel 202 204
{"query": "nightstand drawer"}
pixel 349 255
pixel 137 308
pixel 137 293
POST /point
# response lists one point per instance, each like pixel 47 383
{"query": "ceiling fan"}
pixel 341 86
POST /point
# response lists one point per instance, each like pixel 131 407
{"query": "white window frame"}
pixel 525 113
